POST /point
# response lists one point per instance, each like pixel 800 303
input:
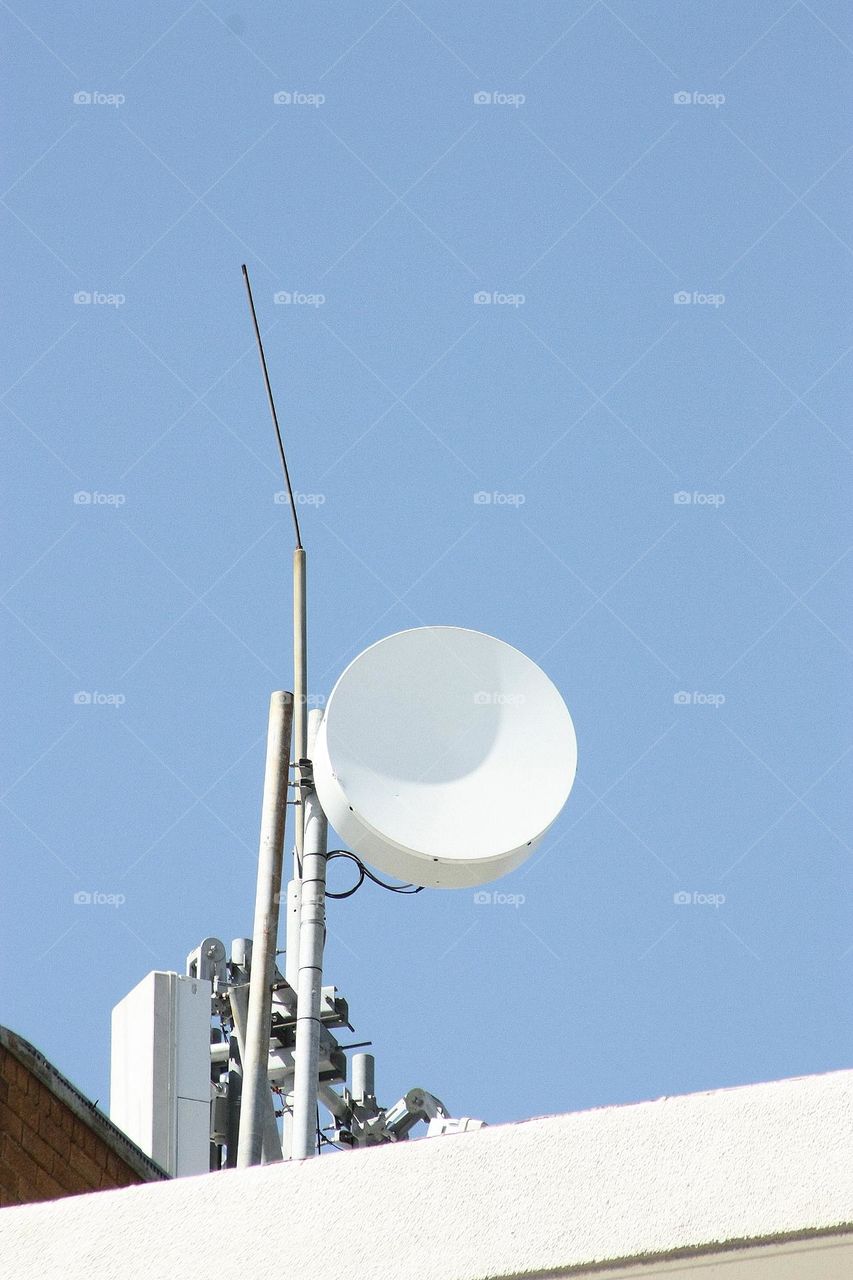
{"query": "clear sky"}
pixel 669 487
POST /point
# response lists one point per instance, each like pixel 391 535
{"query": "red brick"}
pixel 86 1167
pixel 41 1151
pixel 70 1180
pixel 69 1123
pixel 46 1150
pixel 58 1141
pixel 8 1184
pixel 55 1110
pixel 27 1193
pixel 10 1122
pixel 26 1104
pixel 119 1174
pixel 21 1162
pixel 46 1185
pixel 92 1144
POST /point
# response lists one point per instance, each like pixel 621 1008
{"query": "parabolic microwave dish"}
pixel 443 757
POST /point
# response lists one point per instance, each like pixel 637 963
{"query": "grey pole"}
pixel 300 751
pixel 363 1086
pixel 312 928
pixel 255 1095
pixel 271 1146
pixel 300 683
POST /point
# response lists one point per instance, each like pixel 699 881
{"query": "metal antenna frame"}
pixel 304 957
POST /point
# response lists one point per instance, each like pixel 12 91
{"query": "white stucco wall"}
pixel 684 1174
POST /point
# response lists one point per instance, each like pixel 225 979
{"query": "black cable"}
pixel 272 410
pixel 343 853
pixel 365 872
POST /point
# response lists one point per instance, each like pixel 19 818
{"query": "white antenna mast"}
pixel 443 756
pixel 300 643
pixel 306 915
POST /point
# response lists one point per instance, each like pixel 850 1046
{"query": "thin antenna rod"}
pixel 300 688
pixel 272 410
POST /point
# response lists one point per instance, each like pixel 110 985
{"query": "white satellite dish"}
pixel 443 757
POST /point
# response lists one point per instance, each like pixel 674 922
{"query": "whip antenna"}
pixel 272 409
pixel 300 612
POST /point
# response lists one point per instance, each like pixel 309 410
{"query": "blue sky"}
pixel 668 515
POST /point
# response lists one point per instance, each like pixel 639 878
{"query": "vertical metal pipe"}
pixel 291 920
pixel 363 1084
pixel 234 1090
pixel 291 973
pixel 256 1096
pixel 300 687
pixel 271 1150
pixel 312 929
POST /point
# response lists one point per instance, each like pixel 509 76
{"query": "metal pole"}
pixel 271 1149
pixel 291 973
pixel 234 1091
pixel 312 929
pixel 255 1098
pixel 363 1086
pixel 300 689
pixel 300 751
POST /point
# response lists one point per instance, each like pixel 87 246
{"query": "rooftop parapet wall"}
pixel 682 1176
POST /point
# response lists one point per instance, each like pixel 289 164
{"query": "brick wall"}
pixel 53 1142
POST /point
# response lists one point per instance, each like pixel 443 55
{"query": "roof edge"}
pixel 66 1092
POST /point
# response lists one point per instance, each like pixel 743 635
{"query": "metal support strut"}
pixel 312 930
pixel 256 1091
